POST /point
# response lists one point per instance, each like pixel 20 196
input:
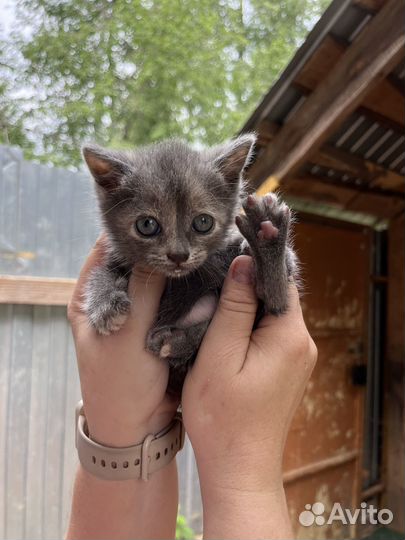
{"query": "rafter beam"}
pixel 323 191
pixel 333 158
pixel 386 98
pixel 339 160
pixel 366 62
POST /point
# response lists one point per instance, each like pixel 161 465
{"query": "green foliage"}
pixel 129 72
pixel 12 128
pixel 183 531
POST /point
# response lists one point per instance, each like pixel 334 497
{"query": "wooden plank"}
pixel 319 466
pixel 372 491
pixel 37 432
pixel 385 99
pixel 17 422
pixel 6 332
pixel 337 159
pixel 356 167
pixel 35 290
pixel 324 191
pixel 367 61
pixel 55 425
pixel 378 205
pixel 69 458
pixel 370 5
pixel 313 189
pixel 394 378
pixel 324 59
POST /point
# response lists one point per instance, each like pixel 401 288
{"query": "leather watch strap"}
pixel 137 461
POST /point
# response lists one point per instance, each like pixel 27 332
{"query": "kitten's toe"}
pixel 266 219
pixel 156 339
pixel 109 317
pixel 167 343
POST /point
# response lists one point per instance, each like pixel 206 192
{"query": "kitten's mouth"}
pixel 178 271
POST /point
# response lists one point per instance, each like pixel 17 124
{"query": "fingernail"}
pixel 242 270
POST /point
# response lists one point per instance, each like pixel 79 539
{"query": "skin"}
pixel 124 395
pixel 238 402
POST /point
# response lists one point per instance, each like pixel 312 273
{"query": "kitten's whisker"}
pixel 115 205
pixel 149 276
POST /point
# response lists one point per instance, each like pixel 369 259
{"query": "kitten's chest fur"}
pixel 182 294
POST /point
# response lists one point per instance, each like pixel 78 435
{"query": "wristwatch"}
pixel 138 461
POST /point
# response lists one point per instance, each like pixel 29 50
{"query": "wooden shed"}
pixel 331 140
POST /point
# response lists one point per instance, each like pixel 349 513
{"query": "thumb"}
pixel 238 303
pixel 145 289
pixel 229 332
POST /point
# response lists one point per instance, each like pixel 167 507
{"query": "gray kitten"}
pixel 177 210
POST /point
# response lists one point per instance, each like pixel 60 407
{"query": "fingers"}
pixel 145 290
pixel 237 306
pixel 94 259
pixel 145 287
pixel 286 334
pixel 227 339
pixel 294 312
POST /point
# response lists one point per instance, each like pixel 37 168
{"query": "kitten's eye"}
pixel 147 226
pixel 203 223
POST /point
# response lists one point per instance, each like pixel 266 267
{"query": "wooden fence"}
pixel 48 222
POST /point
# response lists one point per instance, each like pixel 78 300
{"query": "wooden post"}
pixel 394 374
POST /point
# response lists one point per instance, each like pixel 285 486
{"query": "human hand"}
pixel 123 385
pixel 238 402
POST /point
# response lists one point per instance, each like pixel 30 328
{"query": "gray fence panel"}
pixel 48 223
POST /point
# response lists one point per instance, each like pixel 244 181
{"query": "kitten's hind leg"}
pixel 106 298
pixel 176 345
pixel 265 226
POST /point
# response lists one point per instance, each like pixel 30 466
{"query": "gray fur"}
pixel 173 184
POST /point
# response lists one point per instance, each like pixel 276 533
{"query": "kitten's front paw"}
pixel 265 226
pixel 110 315
pixel 266 221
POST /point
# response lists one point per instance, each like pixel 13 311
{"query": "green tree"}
pixel 129 72
pixel 13 130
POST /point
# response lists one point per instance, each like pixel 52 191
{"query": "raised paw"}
pixel 266 220
pixel 265 226
pixel 109 315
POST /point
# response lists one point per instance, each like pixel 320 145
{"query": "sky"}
pixel 6 15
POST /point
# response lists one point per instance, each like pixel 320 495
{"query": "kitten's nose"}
pixel 178 257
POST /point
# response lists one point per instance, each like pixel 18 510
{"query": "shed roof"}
pixel 331 129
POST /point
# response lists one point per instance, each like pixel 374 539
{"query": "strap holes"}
pixel 114 464
pixel 125 464
pixel 137 462
pixel 171 446
pixel 93 459
pixel 158 455
pixel 166 450
pixel 102 463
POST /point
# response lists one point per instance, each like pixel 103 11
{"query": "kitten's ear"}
pixel 235 156
pixel 106 166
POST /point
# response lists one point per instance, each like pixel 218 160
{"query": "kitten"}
pixel 177 210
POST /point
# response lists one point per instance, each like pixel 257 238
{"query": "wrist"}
pixel 116 430
pixel 243 513
pixel 245 467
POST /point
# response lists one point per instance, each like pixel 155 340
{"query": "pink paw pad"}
pixel 270 199
pixel 267 231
